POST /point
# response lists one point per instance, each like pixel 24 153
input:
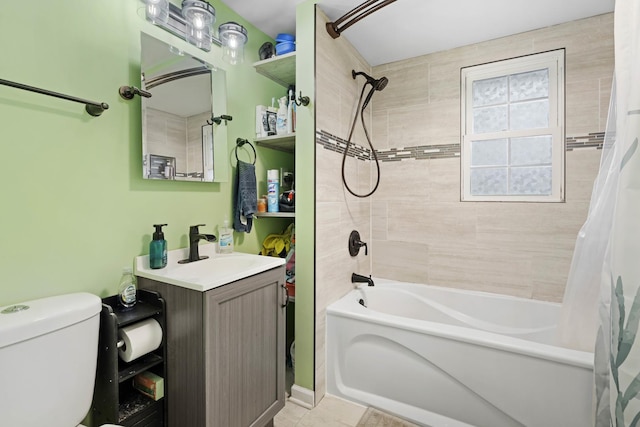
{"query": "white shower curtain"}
pixel 617 370
pixel 602 300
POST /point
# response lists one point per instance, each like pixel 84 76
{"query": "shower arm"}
pixel 355 15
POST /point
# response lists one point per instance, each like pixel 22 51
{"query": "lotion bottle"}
pixel 158 248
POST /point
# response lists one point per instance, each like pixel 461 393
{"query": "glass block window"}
pixel 512 121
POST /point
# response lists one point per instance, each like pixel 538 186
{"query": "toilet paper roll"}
pixel 140 339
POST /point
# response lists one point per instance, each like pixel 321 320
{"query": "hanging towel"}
pixel 246 197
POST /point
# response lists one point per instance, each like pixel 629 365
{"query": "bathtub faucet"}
pixel 357 278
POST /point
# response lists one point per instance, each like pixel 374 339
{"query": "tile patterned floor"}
pixel 335 412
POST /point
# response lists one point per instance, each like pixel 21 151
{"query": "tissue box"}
pixel 149 384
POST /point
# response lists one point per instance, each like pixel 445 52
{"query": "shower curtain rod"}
pixel 356 14
pixel 175 75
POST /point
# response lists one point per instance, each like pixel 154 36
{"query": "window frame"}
pixel 554 61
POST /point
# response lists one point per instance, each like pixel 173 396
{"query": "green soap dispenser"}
pixel 158 248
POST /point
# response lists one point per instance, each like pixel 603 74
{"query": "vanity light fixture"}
pixel 233 37
pixel 194 22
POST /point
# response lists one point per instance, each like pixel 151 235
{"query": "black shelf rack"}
pixel 115 401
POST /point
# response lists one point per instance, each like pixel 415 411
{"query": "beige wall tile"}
pixel 444 179
pixel 469 267
pixel 407 85
pixel 379 220
pixel 582 106
pixel 550 275
pixel 400 260
pixel 403 180
pixel 582 168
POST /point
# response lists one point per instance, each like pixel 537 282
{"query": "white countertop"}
pixel 207 274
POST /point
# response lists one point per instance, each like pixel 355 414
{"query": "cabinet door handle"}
pixel 286 296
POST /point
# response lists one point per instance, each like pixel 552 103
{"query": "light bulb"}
pixel 198 21
pixel 157 11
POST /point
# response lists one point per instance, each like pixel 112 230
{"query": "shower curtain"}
pixel 602 300
pixel 601 307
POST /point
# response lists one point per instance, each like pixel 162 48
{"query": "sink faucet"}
pixel 356 278
pixel 194 237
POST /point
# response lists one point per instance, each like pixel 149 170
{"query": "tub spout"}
pixel 357 278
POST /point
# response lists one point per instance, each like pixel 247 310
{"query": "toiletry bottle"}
pixel 127 288
pixel 158 248
pixel 281 119
pixel 272 118
pixel 226 238
pixel 273 190
pixel 290 112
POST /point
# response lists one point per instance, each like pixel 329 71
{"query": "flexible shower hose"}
pixel 373 151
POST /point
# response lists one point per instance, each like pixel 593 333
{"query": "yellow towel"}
pixel 277 245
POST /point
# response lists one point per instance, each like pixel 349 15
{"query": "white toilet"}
pixel 48 354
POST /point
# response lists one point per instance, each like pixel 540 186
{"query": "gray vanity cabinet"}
pixel 225 352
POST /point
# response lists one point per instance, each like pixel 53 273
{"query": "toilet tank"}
pixel 48 352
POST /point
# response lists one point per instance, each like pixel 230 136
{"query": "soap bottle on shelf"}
pixel 158 248
pixel 127 288
pixel 281 123
pixel 226 238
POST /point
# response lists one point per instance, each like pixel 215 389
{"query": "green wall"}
pixel 305 198
pixel 75 209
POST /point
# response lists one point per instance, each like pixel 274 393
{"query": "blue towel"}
pixel 246 197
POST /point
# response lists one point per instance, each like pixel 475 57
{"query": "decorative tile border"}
pixel 421 152
pixel 592 140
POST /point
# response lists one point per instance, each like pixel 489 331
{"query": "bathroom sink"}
pixel 206 274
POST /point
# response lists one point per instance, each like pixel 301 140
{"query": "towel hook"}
pixel 219 119
pixel 240 142
pixel 302 100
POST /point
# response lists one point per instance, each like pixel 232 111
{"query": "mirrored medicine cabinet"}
pixel 180 142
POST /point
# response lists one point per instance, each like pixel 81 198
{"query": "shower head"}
pixel 377 84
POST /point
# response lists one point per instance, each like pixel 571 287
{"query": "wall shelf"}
pixel 276 215
pixel 281 69
pixel 285 143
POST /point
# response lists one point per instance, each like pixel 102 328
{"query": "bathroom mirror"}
pixel 179 138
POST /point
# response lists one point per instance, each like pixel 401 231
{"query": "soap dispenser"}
pixel 158 248
pixel 225 241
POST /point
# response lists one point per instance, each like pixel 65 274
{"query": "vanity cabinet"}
pixel 225 351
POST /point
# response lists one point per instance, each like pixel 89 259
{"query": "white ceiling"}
pixel 409 28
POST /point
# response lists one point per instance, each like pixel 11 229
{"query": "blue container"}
pixel 285 47
pixel 283 37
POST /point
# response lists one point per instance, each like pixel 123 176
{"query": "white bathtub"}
pixel 449 358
